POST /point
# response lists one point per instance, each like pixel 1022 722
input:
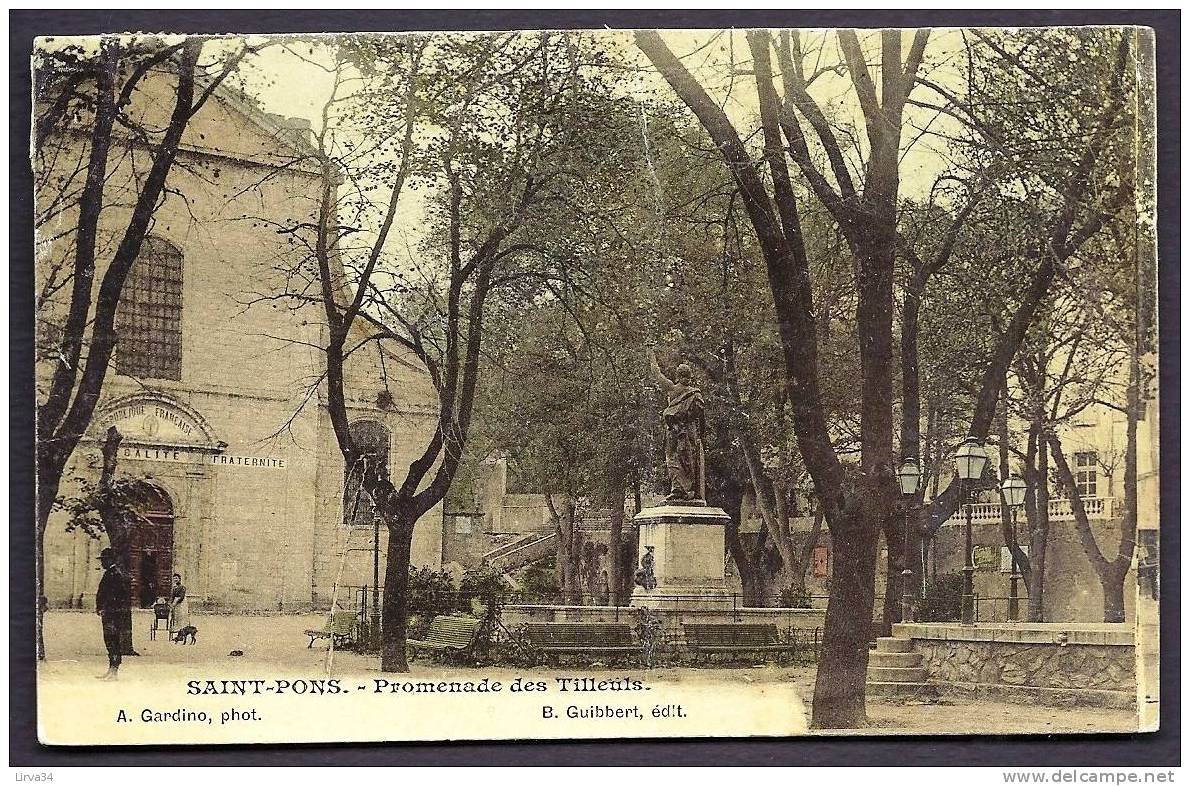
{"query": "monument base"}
pixel 688 555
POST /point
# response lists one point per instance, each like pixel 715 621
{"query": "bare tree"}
pixel 1079 185
pixel 854 512
pixel 494 127
pixel 88 120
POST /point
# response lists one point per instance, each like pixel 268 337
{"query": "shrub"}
pixel 431 593
pixel 795 598
pixel 539 581
pixel 480 585
pixel 943 601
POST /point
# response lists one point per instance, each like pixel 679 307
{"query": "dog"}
pixel 186 635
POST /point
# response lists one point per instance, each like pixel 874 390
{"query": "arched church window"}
pixel 374 442
pixel 149 317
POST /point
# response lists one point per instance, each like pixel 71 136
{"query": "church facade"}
pixel 216 388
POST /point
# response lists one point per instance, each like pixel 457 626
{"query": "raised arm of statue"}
pixel 665 383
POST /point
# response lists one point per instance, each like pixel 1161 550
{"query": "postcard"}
pixel 568 384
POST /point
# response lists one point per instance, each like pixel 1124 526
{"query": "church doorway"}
pixel 151 545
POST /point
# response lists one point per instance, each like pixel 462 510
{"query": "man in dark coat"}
pixel 113 604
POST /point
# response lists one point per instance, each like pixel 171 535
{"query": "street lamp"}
pixel 1012 491
pixel 909 477
pixel 969 460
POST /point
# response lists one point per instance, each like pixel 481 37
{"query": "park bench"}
pixel 562 638
pixel 340 629
pixel 448 634
pixel 730 637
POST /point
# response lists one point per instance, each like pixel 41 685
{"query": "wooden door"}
pixel 151 548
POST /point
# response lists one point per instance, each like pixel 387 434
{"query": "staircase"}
pixel 520 552
pixel 894 669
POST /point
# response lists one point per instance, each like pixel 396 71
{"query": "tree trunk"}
pixel 839 700
pixel 617 489
pixel 48 482
pixel 615 555
pixel 781 536
pixel 747 560
pixel 753 588
pixel 796 569
pixel 1007 516
pixel 395 604
pixel 1111 573
pixel 51 462
pixel 569 551
pixel 39 577
pixel 629 549
pixel 752 580
pixel 1113 594
pixel 840 687
pixel 1039 525
pixel 894 541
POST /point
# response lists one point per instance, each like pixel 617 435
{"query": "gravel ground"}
pixel 275 646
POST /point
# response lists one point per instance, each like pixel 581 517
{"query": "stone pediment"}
pixel 153 419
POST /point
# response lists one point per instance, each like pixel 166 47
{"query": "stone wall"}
pixel 1072 589
pixel 805 621
pixel 1049 663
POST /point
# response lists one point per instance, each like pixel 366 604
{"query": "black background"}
pixel 1150 750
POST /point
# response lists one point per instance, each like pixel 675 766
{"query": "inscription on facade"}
pixel 161 454
pixel 147 420
pixel 258 462
pixel 182 456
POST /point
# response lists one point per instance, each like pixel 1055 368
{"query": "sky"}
pixel 300 85
pixel 291 77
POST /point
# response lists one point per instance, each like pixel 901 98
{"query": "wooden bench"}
pixel 340 629
pixel 448 634
pixel 711 637
pixel 580 637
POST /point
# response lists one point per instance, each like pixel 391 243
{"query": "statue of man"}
pixel 684 418
pixel 644 577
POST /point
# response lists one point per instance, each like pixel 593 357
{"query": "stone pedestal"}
pixel 688 549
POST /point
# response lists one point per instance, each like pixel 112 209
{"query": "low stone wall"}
pixel 1048 663
pixel 784 619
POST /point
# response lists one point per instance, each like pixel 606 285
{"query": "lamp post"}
pixel 908 477
pixel 1012 492
pixel 969 460
pixel 374 621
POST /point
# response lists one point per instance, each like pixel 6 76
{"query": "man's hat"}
pixel 107 553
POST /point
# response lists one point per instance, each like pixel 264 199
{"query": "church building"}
pixel 216 388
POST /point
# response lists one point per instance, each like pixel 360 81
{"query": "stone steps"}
pixel 893 644
pixel 905 690
pixel 895 660
pixel 896 674
pixel 895 670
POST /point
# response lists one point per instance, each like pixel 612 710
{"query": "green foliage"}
pixel 89 505
pixel 539 580
pixel 480 584
pixel 795 598
pixel 943 601
pixel 432 593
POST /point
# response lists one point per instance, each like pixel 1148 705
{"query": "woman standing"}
pixel 179 614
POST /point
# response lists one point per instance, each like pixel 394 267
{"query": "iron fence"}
pixel 798 627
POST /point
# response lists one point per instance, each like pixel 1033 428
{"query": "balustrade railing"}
pixel 1059 510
